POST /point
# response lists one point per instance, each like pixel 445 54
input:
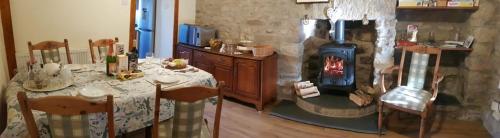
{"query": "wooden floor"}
pixel 240 121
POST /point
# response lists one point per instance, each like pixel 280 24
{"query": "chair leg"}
pixel 423 123
pixel 380 117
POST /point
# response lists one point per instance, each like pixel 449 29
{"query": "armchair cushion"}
pixel 407 97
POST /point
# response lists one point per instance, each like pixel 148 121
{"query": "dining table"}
pixel 133 99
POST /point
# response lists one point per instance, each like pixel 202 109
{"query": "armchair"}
pixel 412 98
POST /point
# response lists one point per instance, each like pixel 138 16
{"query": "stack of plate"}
pixel 93 93
pixel 166 79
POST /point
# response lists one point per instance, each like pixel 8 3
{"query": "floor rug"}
pixel 288 110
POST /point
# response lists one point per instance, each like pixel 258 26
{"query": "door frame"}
pixel 8 35
pixel 132 32
pixel 8 32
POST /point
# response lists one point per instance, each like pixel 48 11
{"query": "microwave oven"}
pixel 195 35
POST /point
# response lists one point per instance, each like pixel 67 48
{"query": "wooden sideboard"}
pixel 248 78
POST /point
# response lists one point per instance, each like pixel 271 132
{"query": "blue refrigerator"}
pixel 145 26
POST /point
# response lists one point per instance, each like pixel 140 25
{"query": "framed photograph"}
pixel 311 1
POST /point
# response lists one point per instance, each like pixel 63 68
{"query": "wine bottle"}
pixel 111 63
pixel 133 60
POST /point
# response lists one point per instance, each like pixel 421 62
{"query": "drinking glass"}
pixel 230 46
pixel 149 57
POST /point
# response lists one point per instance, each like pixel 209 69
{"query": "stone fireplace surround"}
pixel 277 22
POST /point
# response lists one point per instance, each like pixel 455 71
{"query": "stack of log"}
pixel 306 89
pixel 363 96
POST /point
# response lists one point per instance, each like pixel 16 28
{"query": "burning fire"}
pixel 334 66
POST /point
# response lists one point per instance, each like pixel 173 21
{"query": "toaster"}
pixel 195 35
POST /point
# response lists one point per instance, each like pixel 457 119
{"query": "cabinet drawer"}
pixel 222 60
pixel 199 56
pixel 213 58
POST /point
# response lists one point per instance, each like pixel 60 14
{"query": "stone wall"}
pixel 278 22
pixel 474 80
pixel 271 22
pixel 479 73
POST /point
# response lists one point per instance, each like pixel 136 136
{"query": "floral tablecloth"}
pixel 133 99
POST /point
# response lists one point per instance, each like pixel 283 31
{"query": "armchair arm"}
pixel 383 72
pixel 435 86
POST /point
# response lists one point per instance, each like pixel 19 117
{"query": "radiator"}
pixel 77 56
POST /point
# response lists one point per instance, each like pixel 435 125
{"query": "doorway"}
pixel 145 17
pixel 154 26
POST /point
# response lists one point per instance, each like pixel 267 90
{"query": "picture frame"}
pixel 312 1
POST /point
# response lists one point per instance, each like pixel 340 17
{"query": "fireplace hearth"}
pixel 338 68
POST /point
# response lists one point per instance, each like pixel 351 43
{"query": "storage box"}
pixel 409 3
pixel 262 51
pixel 460 3
pixel 442 3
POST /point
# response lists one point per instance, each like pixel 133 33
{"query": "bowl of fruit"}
pixel 171 63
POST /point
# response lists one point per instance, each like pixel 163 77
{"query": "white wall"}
pixel 187 11
pixel 76 20
pixel 164 28
pixel 165 23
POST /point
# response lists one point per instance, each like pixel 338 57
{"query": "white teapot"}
pixel 52 68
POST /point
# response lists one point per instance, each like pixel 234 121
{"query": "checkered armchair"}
pixel 67 116
pixel 188 119
pixel 412 97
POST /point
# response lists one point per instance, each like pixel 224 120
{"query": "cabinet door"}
pixel 201 61
pixel 203 66
pixel 184 53
pixel 224 73
pixel 247 78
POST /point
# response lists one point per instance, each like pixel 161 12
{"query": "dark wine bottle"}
pixel 133 60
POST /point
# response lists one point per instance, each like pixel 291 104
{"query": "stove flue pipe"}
pixel 340 31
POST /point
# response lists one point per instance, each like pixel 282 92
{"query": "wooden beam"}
pixel 8 35
pixel 132 33
pixel 176 28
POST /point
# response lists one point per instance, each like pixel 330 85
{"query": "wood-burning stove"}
pixel 338 70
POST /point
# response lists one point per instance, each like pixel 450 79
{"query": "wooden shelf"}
pixel 451 49
pixel 457 49
pixel 437 8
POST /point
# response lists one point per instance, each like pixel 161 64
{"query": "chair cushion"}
pixel 165 129
pixel 76 126
pixel 51 55
pixel 418 68
pixel 407 97
pixel 188 119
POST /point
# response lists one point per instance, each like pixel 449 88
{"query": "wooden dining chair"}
pixel 49 51
pixel 412 98
pixel 188 115
pixel 102 45
pixel 64 110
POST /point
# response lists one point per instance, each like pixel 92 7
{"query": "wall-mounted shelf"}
pixel 437 8
pixel 451 49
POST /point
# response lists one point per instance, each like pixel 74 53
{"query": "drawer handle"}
pixel 183 52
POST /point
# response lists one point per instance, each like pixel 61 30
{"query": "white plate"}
pixel 167 79
pixel 92 92
pixel 28 85
pixel 75 67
